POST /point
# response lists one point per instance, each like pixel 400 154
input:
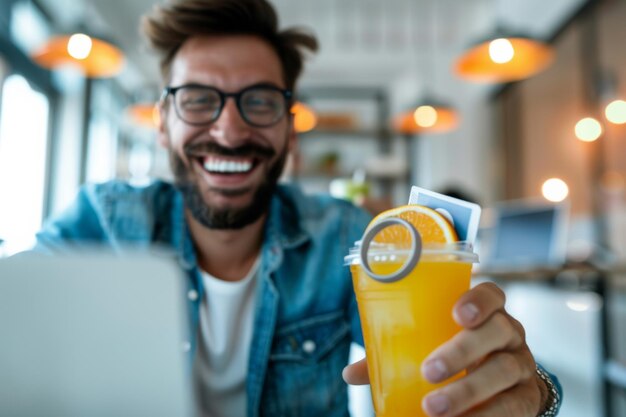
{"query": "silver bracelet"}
pixel 554 397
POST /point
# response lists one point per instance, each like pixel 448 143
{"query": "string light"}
pixel 588 129
pixel 555 190
pixel 615 112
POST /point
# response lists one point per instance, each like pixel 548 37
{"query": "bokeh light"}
pixel 588 129
pixel 615 112
pixel 79 46
pixel 425 116
pixel 555 190
pixel 501 51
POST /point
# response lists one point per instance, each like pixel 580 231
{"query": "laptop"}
pixel 526 235
pixel 93 334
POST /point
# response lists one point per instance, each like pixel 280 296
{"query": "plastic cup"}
pixel 405 298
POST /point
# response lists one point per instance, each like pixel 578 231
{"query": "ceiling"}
pixel 362 41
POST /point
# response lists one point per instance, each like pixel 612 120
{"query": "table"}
pixel 597 278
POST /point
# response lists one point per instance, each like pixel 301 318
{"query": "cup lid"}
pixel 462 251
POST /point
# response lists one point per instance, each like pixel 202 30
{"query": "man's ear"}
pixel 161 118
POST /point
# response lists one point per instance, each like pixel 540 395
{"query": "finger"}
pixel 497 374
pixel 469 346
pixel 356 373
pixel 478 304
pixel 519 328
pixel 519 401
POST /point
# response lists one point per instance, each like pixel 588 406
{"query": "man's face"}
pixel 226 170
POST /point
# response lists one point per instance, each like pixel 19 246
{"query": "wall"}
pixel 612 33
pixel 551 103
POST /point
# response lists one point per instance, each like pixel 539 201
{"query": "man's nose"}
pixel 230 129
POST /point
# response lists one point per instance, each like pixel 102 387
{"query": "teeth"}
pixel 223 166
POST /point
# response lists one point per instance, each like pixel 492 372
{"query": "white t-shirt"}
pixel 221 362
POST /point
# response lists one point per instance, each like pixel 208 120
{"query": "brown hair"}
pixel 170 25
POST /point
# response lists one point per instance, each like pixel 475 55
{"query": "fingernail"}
pixel 469 312
pixel 437 404
pixel 435 370
pixel 344 373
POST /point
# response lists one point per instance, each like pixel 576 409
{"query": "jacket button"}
pixel 308 346
pixel 192 295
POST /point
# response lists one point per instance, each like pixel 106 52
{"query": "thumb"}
pixel 356 373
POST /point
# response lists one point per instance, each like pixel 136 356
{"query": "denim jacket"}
pixel 306 314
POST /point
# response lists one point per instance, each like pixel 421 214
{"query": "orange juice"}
pixel 404 321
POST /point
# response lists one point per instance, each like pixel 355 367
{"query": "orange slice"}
pixel 432 226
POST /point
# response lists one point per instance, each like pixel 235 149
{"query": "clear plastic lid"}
pixel 457 251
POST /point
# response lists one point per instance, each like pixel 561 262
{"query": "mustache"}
pixel 247 150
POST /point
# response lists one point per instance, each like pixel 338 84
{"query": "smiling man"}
pixel 227 149
pixel 227 127
pixel 272 308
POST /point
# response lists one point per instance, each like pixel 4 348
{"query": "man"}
pixel 271 303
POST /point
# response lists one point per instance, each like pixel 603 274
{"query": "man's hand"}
pixel 501 378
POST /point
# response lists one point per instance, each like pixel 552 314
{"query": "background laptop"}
pixel 92 335
pixel 526 234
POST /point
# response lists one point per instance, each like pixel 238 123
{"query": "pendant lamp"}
pixel 504 57
pixel 95 57
pixel 144 114
pixel 429 115
pixel 304 117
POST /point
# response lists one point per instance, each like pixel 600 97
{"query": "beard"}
pixel 214 217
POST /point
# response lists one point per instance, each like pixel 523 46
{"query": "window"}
pixel 23 148
pixel 106 106
pixel 101 150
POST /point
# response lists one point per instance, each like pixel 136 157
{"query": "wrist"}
pixel 550 397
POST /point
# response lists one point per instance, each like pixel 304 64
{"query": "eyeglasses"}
pixel 259 105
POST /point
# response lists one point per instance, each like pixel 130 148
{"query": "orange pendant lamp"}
pixel 95 57
pixel 504 57
pixel 304 117
pixel 144 114
pixel 430 116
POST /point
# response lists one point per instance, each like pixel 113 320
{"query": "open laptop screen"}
pixel 93 335
pixel 528 234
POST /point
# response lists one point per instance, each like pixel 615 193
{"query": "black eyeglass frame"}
pixel 287 95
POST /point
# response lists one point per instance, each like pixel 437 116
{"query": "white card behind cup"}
pixel 465 215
